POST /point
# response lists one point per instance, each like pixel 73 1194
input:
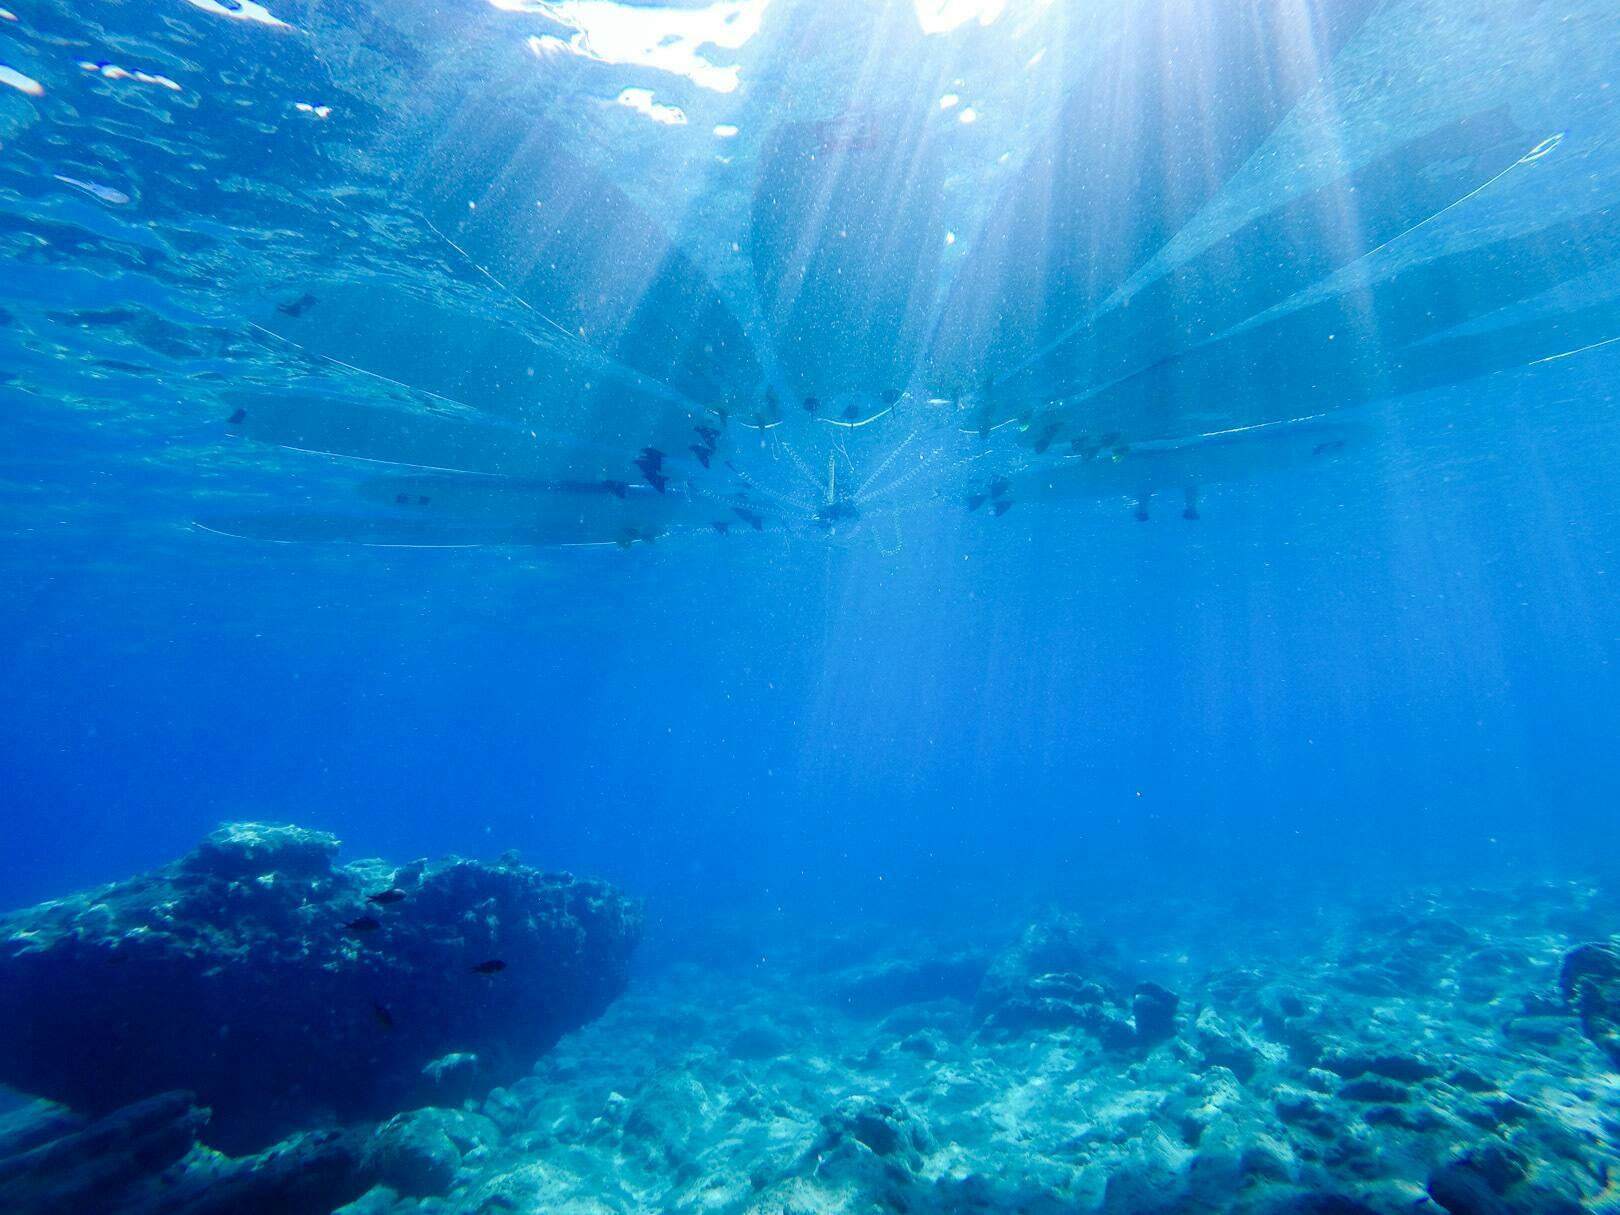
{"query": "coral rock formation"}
pixel 255 973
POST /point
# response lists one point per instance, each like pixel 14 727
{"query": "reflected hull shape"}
pixel 428 436
pixel 1144 471
pixel 385 336
pixel 458 511
pixel 557 531
pixel 579 512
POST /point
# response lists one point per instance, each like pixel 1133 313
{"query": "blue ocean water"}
pixel 701 444
pixel 1403 658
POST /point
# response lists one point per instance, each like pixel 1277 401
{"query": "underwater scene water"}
pixel 976 605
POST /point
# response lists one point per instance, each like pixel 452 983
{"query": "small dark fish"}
pixel 384 1017
pixel 995 490
pixel 384 897
pixel 812 404
pixel 721 526
pixel 1044 439
pixel 1002 507
pixel 492 967
pixel 891 395
pixel 708 436
pixel 617 488
pixel 749 517
pixel 304 302
pixel 650 462
pixel 1322 449
pixel 364 923
pixel 237 418
pixel 851 412
pixel 702 453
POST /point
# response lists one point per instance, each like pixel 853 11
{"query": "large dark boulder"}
pixel 1590 982
pixel 1496 1180
pixel 1154 1012
pixel 144 1160
pixel 255 974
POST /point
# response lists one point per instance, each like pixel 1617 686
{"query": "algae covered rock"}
pixel 285 989
pixel 1058 976
pixel 144 1159
pixel 1495 1180
pixel 419 1153
pixel 1058 943
pixel 885 1128
pixel 1154 1012
pixel 58 1162
pixel 1590 982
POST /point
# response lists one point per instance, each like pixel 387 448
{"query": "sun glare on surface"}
pixel 670 39
pixel 943 16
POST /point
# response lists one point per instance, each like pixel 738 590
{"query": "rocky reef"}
pixel 287 991
pixel 1449 1051
pixel 1371 1056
